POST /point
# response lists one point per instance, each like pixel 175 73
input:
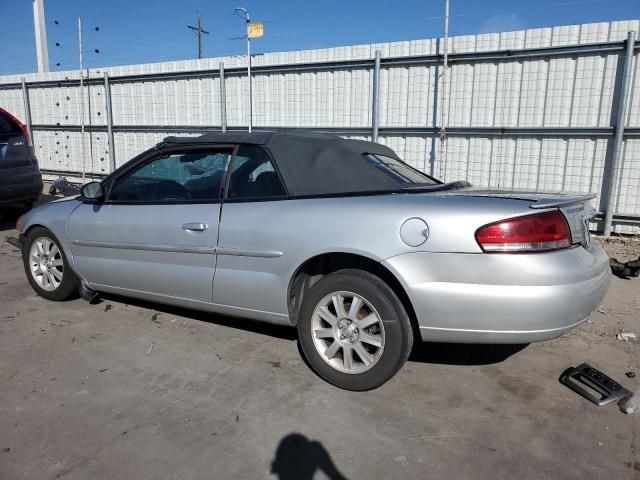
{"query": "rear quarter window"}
pixel 401 172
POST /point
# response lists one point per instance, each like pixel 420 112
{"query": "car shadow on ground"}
pixel 463 353
pixel 263 328
pixel 423 352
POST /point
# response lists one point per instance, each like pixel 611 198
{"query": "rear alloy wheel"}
pixel 354 330
pixel 348 332
pixel 47 268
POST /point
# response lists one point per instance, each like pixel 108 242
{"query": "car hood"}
pixel 63 199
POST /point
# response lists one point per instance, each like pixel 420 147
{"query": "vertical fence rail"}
pixel 27 109
pixel 223 100
pixel 614 173
pixel 110 139
pixel 375 100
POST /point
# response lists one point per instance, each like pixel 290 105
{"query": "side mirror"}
pixel 92 191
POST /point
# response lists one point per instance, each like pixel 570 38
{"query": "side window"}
pixel 252 175
pixel 184 176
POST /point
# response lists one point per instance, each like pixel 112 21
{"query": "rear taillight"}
pixel 23 128
pixel 25 133
pixel 534 233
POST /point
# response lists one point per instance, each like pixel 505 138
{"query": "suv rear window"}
pixel 12 141
pixel 401 172
pixel 8 125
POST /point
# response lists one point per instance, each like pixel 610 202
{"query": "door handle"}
pixel 195 227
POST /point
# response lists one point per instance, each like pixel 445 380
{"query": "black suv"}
pixel 20 177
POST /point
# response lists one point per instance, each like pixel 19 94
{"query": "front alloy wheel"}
pixel 46 266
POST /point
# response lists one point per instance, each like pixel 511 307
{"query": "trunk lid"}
pixel 576 207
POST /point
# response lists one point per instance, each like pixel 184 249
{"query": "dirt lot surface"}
pixel 622 248
pixel 127 389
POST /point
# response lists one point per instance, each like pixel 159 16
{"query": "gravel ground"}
pixel 622 248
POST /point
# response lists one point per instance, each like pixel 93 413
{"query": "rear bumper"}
pixel 484 298
pixel 21 193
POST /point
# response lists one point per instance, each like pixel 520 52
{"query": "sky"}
pixel 146 31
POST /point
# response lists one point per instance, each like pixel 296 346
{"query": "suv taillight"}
pixel 541 232
pixel 23 128
pixel 25 133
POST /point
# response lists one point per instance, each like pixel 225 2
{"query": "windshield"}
pixel 399 171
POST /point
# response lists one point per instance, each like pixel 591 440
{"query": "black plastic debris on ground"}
pixel 593 385
pixel 625 270
pixel 65 187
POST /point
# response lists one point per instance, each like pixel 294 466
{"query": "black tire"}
pixel 398 334
pixel 70 283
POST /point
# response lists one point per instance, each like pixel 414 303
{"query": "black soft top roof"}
pixel 313 163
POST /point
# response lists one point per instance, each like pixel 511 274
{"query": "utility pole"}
pixel 199 31
pixel 82 153
pixel 40 29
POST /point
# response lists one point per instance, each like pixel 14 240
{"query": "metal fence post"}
pixel 223 100
pixel 27 109
pixel 375 106
pixel 107 100
pixel 614 174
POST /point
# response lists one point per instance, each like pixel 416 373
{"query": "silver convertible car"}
pixel 340 238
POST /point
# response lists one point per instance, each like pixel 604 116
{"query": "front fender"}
pixel 53 216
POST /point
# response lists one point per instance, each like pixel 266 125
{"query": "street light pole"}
pixel 40 28
pixel 247 21
pixel 82 148
pixel 444 104
pixel 249 76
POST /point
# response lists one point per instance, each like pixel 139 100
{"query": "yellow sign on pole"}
pixel 255 29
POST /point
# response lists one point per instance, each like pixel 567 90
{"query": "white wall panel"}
pixel 629 186
pixel 587 91
pixel 576 91
pixel 484 94
pixel 559 92
pixel 633 115
pixel 533 91
pixel 12 101
pixel 502 163
pixel 507 94
pixel 527 163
